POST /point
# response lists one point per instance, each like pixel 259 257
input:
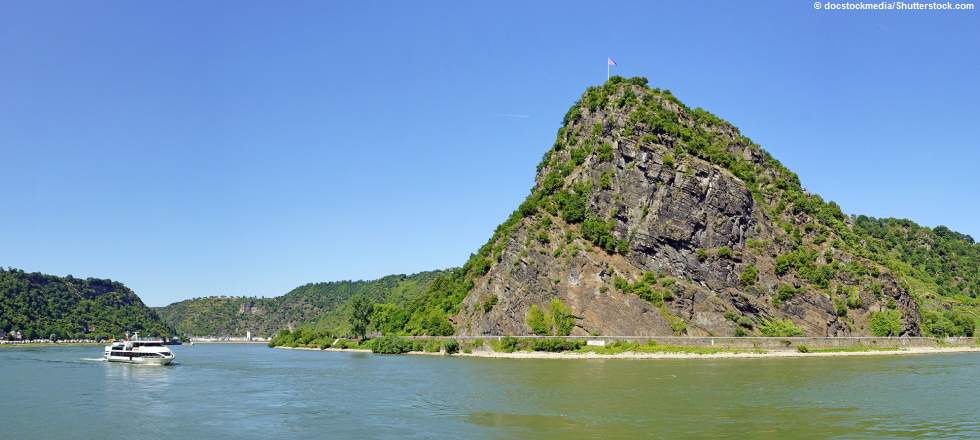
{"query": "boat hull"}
pixel 159 361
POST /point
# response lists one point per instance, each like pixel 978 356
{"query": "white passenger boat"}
pixel 136 351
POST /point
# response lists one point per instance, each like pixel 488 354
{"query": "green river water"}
pixel 251 391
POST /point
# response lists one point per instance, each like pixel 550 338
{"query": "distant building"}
pixel 247 307
pixel 248 335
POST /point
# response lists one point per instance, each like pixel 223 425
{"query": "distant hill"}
pixel 40 305
pixel 307 304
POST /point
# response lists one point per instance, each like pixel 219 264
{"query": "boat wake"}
pixel 94 359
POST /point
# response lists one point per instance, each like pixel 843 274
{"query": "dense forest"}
pixel 322 304
pixel 940 266
pixel 39 306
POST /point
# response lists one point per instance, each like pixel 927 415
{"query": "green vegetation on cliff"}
pixel 558 322
pixel 39 305
pixel 940 266
pixel 933 274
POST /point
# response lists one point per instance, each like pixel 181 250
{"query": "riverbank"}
pixel 717 355
pixel 720 354
pixel 349 350
pixel 51 344
pixel 196 341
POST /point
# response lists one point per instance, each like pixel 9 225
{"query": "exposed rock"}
pixel 680 216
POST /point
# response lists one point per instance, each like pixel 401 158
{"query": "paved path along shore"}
pixel 635 355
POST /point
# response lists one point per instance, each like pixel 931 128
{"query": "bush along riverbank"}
pixel 628 347
pixel 390 344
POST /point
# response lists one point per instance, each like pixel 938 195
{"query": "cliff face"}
pixel 650 218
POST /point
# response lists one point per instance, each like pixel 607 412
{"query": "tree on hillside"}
pixel 388 319
pixel 360 315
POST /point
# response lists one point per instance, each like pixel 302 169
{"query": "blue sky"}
pixel 199 148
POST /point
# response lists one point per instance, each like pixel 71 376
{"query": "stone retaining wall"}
pixel 760 342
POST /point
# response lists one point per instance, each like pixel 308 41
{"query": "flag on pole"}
pixel 610 62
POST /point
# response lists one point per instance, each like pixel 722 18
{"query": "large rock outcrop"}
pixel 650 218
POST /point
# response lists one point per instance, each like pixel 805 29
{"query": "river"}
pixel 251 391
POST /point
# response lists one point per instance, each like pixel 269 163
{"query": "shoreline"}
pixel 225 342
pixel 53 344
pixel 636 355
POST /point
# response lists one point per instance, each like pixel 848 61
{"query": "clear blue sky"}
pixel 199 148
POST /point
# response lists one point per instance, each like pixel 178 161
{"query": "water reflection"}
pixel 139 392
pixel 145 377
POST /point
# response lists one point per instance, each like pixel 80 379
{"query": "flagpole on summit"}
pixel 609 63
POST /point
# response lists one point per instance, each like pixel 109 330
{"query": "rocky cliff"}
pixel 651 218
